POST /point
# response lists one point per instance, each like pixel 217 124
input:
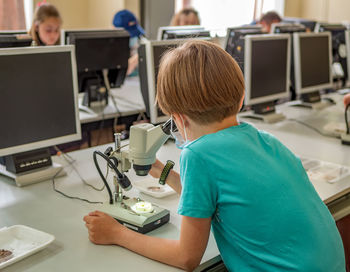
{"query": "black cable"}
pixel 312 128
pixel 68 196
pixel 110 164
pixel 346 119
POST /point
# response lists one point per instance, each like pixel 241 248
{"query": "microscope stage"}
pixel 140 222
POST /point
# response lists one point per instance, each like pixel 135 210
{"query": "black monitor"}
pixel 266 73
pixel 38 105
pixel 150 53
pixel 13 32
pixel 163 30
pixel 102 60
pixel 338 49
pixel 235 41
pixel 185 34
pixel 312 64
pixel 309 24
pixel 7 41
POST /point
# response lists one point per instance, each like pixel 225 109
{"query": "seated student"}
pixel 244 183
pixel 268 19
pixel 127 20
pixel 46 25
pixel 186 16
pixel 346 100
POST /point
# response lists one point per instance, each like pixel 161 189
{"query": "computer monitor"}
pixel 279 28
pixel 235 41
pixel 186 34
pixel 162 31
pixel 102 60
pixel 266 73
pixel 309 24
pixel 38 105
pixel 289 28
pixel 340 69
pixel 7 41
pixel 150 53
pixel 312 64
pixel 13 32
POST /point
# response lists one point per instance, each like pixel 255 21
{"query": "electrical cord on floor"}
pixel 312 128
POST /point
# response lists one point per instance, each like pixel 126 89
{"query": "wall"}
pixel 78 14
pixel 333 11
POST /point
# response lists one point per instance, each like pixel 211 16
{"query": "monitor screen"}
pixel 267 68
pixel 100 50
pixel 97 50
pixel 185 34
pixel 38 105
pixel 150 54
pixel 313 60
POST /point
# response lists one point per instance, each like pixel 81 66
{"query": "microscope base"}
pixel 141 223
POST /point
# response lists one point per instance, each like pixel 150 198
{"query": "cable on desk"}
pixel 71 163
pixel 312 128
pixel 68 196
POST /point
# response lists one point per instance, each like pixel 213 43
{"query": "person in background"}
pixel 347 99
pixel 46 26
pixel 186 16
pixel 268 19
pixel 238 181
pixel 127 20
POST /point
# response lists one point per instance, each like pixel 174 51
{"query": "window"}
pixel 15 14
pixel 221 14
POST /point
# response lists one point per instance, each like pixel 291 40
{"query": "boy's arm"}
pixel 185 253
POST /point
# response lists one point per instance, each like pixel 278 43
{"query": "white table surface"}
pixel 128 99
pixel 38 206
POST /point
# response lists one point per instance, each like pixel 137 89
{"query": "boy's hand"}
pixel 156 169
pixel 346 100
pixel 103 229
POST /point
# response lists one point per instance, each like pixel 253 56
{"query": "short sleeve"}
pixel 199 193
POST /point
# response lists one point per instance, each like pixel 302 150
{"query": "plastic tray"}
pixel 158 191
pixel 22 241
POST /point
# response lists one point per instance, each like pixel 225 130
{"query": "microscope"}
pixel 144 142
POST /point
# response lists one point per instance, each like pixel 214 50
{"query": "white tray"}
pixel 145 184
pixel 22 241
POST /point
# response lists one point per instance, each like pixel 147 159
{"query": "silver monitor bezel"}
pixel 155 119
pixel 56 140
pixel 249 39
pixel 297 63
pixel 347 44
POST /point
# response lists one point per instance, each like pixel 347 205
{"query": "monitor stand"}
pixel 265 112
pixel 34 176
pixel 30 167
pixel 310 100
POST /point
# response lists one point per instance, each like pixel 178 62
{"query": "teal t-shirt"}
pixel 266 215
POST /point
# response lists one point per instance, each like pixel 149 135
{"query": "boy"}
pixel 264 212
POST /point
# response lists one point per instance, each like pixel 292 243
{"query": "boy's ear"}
pixel 241 102
pixel 179 118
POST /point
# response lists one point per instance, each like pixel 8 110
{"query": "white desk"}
pixel 40 207
pixel 128 99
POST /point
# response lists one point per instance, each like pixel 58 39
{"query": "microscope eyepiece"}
pixel 142 170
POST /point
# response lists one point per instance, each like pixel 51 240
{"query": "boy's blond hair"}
pixel 201 80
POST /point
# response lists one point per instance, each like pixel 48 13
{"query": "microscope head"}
pixel 145 141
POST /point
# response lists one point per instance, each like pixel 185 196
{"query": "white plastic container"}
pixel 151 186
pixel 22 241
